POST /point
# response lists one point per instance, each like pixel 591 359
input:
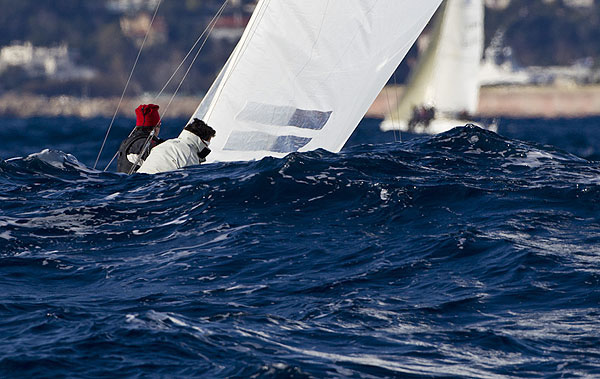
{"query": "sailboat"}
pixel 444 90
pixel 305 72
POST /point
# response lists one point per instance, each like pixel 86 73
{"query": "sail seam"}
pixel 316 41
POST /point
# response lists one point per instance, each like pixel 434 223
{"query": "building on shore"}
pixel 140 28
pixel 230 26
pixel 50 62
pixel 130 6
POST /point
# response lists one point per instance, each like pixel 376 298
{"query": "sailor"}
pixel 135 148
pixel 189 149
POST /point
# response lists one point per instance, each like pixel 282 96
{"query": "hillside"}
pixel 103 38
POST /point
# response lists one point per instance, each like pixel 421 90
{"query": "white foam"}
pixel 384 195
pixel 405 365
pixel 55 158
pixel 533 159
pixel 112 196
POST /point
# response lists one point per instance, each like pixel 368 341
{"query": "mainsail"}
pixel 447 76
pixel 305 73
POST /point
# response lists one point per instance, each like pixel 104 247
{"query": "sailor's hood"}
pixel 193 140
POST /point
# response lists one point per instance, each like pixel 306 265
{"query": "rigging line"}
pixel 128 81
pixel 117 153
pixel 145 146
pixel 214 23
pixel 171 78
pixel 111 161
pixel 390 110
pixel 235 56
pixel 398 99
pixel 192 48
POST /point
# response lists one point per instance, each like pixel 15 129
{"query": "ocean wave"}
pixel 463 254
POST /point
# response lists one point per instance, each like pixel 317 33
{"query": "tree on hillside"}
pixel 542 33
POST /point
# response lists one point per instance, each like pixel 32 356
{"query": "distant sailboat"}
pixel 305 73
pixel 444 90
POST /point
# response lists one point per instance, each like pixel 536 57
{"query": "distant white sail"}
pixel 305 73
pixel 447 76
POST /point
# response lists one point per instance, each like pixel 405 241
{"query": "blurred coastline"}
pixel 516 101
pixel 497 101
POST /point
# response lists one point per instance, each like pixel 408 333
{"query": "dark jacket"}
pixel 131 148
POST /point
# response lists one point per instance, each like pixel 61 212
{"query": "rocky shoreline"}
pixel 546 102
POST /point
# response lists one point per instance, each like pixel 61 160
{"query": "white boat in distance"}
pixel 444 89
pixel 305 72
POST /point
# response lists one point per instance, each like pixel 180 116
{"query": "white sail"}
pixel 305 72
pixel 447 76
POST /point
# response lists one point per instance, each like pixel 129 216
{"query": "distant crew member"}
pixel 131 156
pixel 189 149
pixel 421 115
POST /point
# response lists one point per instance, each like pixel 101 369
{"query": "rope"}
pixel 234 62
pixel 144 149
pixel 127 84
pixel 395 121
pixel 117 153
pixel 398 99
pixel 218 14
pixel 111 161
pixel 390 110
pixel 210 28
pixel 205 34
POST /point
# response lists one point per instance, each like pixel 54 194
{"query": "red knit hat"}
pixel 147 115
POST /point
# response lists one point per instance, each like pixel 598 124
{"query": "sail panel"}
pixel 447 75
pixel 268 114
pixel 306 71
pixel 459 58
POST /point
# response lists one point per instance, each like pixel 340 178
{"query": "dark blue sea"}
pixel 466 254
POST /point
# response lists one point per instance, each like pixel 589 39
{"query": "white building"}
pixel 579 3
pixel 230 26
pixel 497 4
pixel 132 5
pixel 52 62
